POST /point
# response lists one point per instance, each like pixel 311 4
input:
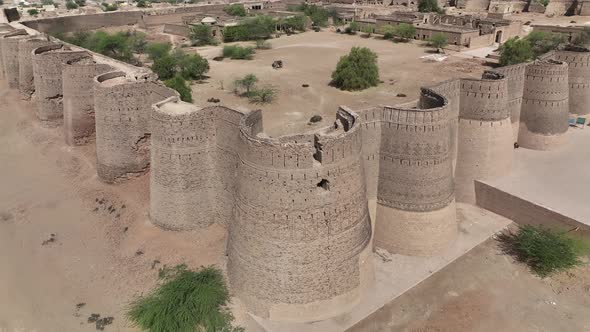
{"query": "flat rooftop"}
pixel 552 186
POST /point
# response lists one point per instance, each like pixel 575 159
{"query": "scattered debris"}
pixel 401 95
pixel 154 263
pixel 125 229
pixel 213 100
pixel 93 318
pixel 51 239
pixel 434 57
pixel 78 307
pixel 100 323
pixel 315 118
pixel 516 146
pixel 6 217
pixel 218 58
pixel 139 253
pixel 383 254
pixel 277 64
pixel 305 85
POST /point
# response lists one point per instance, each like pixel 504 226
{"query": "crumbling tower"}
pixel 298 245
pixel 26 82
pixel 47 65
pixel 578 60
pixel 182 176
pixel 122 107
pixel 416 212
pixel 10 54
pixel 486 143
pixel 545 109
pixel 78 97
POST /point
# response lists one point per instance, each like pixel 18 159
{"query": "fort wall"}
pixel 122 106
pixel 301 221
pixel 485 135
pixel 78 98
pixel 415 205
pixel 47 72
pixel 545 108
pixel 75 23
pixel 515 76
pixel 578 79
pixel 26 82
pixel 10 61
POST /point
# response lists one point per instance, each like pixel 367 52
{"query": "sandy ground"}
pixel 486 291
pixel 310 58
pixel 98 257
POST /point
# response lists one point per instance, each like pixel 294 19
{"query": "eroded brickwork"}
pixel 26 81
pixel 10 55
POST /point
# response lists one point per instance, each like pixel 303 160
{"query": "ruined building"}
pixel 303 212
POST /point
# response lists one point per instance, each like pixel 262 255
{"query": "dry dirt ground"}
pixel 310 58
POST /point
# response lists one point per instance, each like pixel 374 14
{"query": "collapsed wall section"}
pixel 182 176
pixel 415 208
pixel 10 54
pixel 298 245
pixel 515 76
pixel 485 134
pixel 26 81
pixel 78 98
pixel 545 109
pixel 122 108
pixel 578 61
pixel 47 72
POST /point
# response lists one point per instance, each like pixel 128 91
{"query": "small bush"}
pixel 544 250
pixel 235 10
pixel 356 71
pixel 262 44
pixel 438 41
pixel 201 35
pixel 315 118
pixel 71 5
pixel 33 12
pixel 515 50
pixel 165 67
pixel 263 95
pixel 158 50
pixel 109 7
pixel 238 52
pixel 405 31
pixel 187 301
pixel 179 84
pixel 247 83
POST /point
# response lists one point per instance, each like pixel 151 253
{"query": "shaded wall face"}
pixel 47 72
pixel 10 59
pixel 515 77
pixel 451 91
pixel 579 79
pixel 182 177
pixel 26 82
pixel 299 227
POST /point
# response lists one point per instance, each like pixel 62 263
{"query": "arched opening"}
pixel 499 37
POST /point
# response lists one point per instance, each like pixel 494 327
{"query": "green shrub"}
pixel 247 83
pixel 514 51
pixel 165 67
pixel 262 44
pixel 238 52
pixel 201 35
pixel 429 6
pixel 142 4
pixel 542 42
pixel 80 3
pixel 544 250
pixel 71 5
pixel 187 301
pixel 109 7
pixel 179 84
pixel 387 31
pixel 354 27
pixel 438 41
pixel 235 10
pixel 356 71
pixel 33 12
pixel 318 15
pixel 157 50
pixel 192 66
pixel 405 31
pixel 259 27
pixel 583 39
pixel 293 23
pixel 263 95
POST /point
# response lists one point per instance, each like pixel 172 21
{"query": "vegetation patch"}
pixel 253 28
pixel 238 52
pixel 247 87
pixel 544 250
pixel 186 301
pixel 235 10
pixel 356 71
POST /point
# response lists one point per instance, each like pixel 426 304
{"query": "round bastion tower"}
pixel 26 81
pixel 578 60
pixel 545 108
pixel 182 177
pixel 298 247
pixel 416 212
pixel 10 61
pixel 486 143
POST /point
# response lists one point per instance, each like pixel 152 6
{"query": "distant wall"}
pixel 176 29
pixel 85 22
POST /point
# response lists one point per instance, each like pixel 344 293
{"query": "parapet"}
pixel 78 97
pixel 578 60
pixel 122 106
pixel 26 81
pixel 515 76
pixel 298 246
pixel 47 71
pixel 10 61
pixel 182 176
pixel 545 108
pixel 415 201
pixel 485 145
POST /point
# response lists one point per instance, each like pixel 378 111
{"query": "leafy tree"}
pixel 583 39
pixel 201 35
pixel 514 51
pixel 179 84
pixel 354 26
pixel 247 82
pixel 109 7
pixel 192 66
pixel 262 44
pixel 542 42
pixel 405 31
pixel 293 23
pixel 356 71
pixel 158 50
pixel 47 2
pixel 114 45
pixel 141 4
pixel 263 95
pixel 235 10
pixel 165 66
pixel 318 15
pixel 259 27
pixel 33 12
pixel 429 6
pixel 387 31
pixel 137 41
pixel 368 30
pixel 71 5
pixel 438 41
pixel 80 3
